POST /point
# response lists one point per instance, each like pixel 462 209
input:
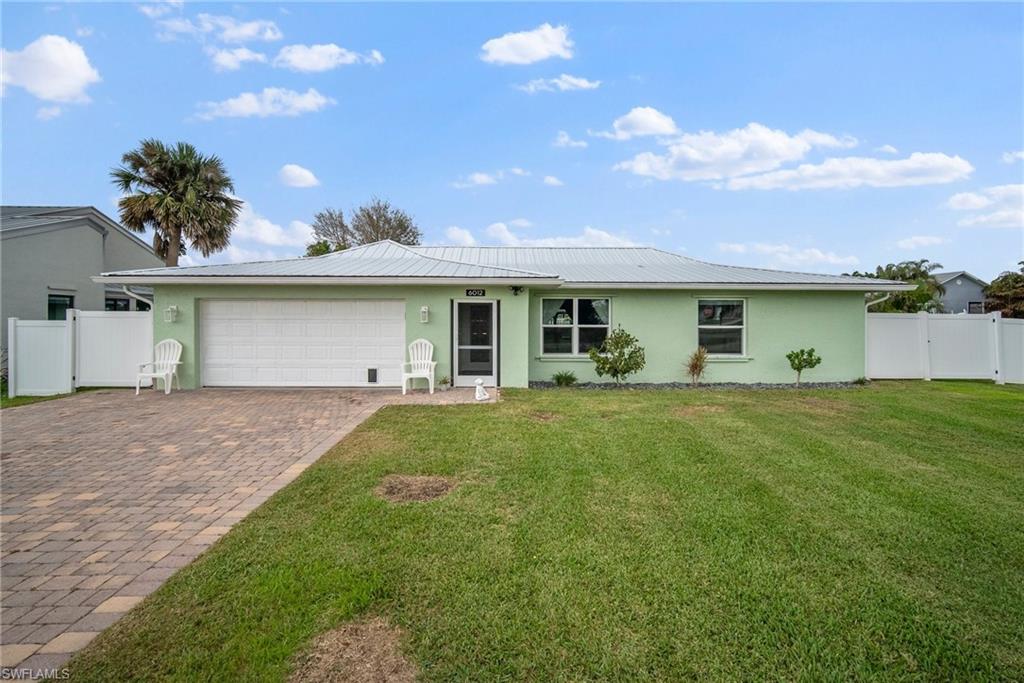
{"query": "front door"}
pixel 476 343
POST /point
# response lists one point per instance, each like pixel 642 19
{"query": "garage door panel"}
pixel 329 342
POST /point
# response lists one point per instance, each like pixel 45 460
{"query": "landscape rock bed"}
pixel 687 385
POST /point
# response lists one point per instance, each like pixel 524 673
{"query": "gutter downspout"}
pixel 136 296
pixel 866 307
pixel 876 301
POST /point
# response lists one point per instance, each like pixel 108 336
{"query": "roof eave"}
pixel 319 280
pixel 756 286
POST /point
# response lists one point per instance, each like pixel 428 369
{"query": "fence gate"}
pixel 87 349
pixel 942 346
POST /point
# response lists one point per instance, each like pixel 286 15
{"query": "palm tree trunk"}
pixel 173 247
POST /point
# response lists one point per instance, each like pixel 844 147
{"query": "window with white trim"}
pixel 571 327
pixel 721 326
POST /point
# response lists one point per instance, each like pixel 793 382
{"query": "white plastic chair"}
pixel 420 364
pixel 166 359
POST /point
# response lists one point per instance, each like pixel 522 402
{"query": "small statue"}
pixel 481 393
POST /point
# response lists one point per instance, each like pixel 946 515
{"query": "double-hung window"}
pixel 571 327
pixel 721 326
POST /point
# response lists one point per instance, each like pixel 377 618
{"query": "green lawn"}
pixel 864 533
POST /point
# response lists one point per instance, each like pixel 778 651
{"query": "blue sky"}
pixel 807 137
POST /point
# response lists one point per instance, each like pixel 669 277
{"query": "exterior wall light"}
pixel 170 314
pixel 424 314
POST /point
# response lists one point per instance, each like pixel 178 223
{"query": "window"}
pixel 116 304
pixel 141 305
pixel 573 326
pixel 720 326
pixel 975 307
pixel 57 306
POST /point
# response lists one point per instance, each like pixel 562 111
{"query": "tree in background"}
pixel 184 196
pixel 924 298
pixel 372 222
pixel 378 220
pixel 330 233
pixel 1006 294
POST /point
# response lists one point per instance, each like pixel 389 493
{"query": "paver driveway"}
pixel 106 494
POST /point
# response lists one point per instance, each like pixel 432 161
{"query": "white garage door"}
pixel 310 343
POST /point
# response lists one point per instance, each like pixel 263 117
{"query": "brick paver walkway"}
pixel 105 495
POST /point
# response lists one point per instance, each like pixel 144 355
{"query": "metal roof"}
pixel 11 210
pixel 378 260
pixel 635 265
pixel 943 278
pixel 391 263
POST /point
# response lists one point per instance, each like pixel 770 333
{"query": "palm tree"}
pixel 184 196
pixel 920 273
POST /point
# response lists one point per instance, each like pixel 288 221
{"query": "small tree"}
pixel 696 364
pixel 801 360
pixel 619 356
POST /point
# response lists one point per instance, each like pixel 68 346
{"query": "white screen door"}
pixel 475 330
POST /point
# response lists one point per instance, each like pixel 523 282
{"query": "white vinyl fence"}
pixel 942 346
pixel 88 349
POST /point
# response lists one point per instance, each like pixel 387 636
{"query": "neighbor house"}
pixel 50 255
pixel 507 315
pixel 964 293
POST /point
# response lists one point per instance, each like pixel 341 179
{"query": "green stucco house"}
pixel 508 315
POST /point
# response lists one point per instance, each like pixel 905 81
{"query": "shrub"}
pixel 801 360
pixel 619 356
pixel 696 364
pixel 564 378
pixel 861 381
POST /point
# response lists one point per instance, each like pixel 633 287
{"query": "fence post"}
pixel 997 341
pixel 926 354
pixel 69 330
pixel 12 349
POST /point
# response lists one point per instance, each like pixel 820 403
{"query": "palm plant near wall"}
pixel 696 365
pixel 184 196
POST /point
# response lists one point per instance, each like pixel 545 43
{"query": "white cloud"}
pixel 314 58
pixel 887 149
pixel 789 255
pixel 640 121
pixel 708 155
pixel 520 223
pixel 232 59
pixel 589 237
pixel 918 241
pixel 224 28
pixel 527 47
pixel 52 68
pixel 252 227
pixel 920 168
pixel 561 84
pixel 294 175
pixel 84 31
pixel 563 139
pixel 661 232
pixel 480 178
pixel 156 10
pixel 966 201
pixel 1004 206
pixel 459 236
pixel 476 179
pixel 552 181
pixel 1011 157
pixel 268 102
pixel 47 113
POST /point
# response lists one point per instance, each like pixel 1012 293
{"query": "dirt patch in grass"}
pixel 692 411
pixel 403 488
pixel 365 651
pixel 821 406
pixel 545 416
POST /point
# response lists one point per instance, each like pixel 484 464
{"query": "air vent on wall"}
pixel 371 375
